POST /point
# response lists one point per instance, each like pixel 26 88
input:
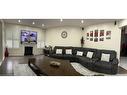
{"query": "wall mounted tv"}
pixel 28 37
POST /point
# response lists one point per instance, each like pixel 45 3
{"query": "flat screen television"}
pixel 28 36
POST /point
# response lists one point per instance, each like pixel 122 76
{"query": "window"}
pixel 15 43
pixel 12 39
pixel 9 43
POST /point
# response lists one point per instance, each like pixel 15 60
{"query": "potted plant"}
pixel 82 41
pixel 6 53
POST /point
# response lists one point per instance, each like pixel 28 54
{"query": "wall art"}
pixel 91 39
pixel 108 34
pixel 91 33
pixel 95 39
pixel 87 36
pixel 101 39
pixel 96 33
pixel 101 33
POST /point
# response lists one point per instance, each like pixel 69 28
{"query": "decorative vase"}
pixel 82 42
pixel 6 54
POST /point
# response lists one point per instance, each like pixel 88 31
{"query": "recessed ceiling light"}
pixel 19 21
pixel 43 25
pixel 33 23
pixel 82 21
pixel 61 20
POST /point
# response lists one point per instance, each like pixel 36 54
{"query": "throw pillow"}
pixel 79 53
pixel 58 51
pixel 105 57
pixel 68 51
pixel 89 54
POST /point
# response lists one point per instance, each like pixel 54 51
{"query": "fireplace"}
pixel 28 51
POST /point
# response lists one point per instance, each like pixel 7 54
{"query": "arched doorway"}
pixel 123 47
pixel 123 51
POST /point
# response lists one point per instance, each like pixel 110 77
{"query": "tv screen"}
pixel 28 36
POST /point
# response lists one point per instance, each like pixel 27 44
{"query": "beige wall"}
pixel 12 29
pixel 53 36
pixel 111 44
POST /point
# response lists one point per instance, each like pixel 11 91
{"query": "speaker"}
pixel 115 23
pixel 82 28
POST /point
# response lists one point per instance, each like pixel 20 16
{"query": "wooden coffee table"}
pixel 43 65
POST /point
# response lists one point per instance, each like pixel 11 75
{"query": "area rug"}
pixel 22 70
pixel 86 72
pixel 121 70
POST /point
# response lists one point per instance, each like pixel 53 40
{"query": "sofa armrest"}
pixel 115 61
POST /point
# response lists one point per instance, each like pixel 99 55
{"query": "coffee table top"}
pixel 64 69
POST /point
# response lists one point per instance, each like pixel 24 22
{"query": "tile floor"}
pixel 123 62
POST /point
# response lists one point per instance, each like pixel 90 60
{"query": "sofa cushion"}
pixel 95 52
pixel 58 47
pixel 89 54
pixel 79 53
pixel 111 52
pixel 68 51
pixel 105 57
pixel 58 51
pixel 75 49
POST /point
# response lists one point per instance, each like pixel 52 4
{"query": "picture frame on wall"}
pixel 91 39
pixel 108 34
pixel 95 39
pixel 87 34
pixel 101 33
pixel 101 39
pixel 91 33
pixel 96 33
pixel 87 38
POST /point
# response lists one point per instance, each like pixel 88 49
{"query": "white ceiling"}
pixel 56 22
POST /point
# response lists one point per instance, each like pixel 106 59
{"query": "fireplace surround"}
pixel 28 50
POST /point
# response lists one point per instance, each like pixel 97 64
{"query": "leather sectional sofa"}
pixel 95 63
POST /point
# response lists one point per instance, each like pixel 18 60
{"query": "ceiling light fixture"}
pixel 43 25
pixel 33 23
pixel 82 21
pixel 19 21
